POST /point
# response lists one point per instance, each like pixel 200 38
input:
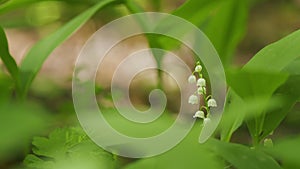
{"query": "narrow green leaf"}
pixel 42 49
pixel 242 157
pixel 7 59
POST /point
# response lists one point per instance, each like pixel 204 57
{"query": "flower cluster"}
pixel 204 111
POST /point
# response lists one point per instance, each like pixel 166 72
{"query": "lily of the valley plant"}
pixel 204 110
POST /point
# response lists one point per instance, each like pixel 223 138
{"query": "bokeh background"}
pixel 50 104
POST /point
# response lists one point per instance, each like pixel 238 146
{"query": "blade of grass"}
pixel 42 49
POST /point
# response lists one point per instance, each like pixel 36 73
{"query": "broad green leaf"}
pixel 275 57
pixel 248 97
pixel 249 84
pixel 187 154
pixel 253 86
pixel 290 94
pixel 242 157
pixel 42 49
pixel 280 54
pixel 238 110
pixel 286 151
pixel 68 148
pixel 7 59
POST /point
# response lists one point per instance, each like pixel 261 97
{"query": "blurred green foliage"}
pixel 260 95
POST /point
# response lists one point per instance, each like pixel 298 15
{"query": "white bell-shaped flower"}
pixel 199 114
pixel 212 103
pixel 193 99
pixel 192 79
pixel 198 68
pixel 201 90
pixel 201 82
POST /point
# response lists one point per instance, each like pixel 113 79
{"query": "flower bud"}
pixel 198 68
pixel 268 143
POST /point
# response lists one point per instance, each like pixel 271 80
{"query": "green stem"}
pixel 255 137
pixel 135 8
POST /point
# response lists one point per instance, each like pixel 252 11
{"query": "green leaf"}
pixel 242 157
pixel 249 96
pixel 233 115
pixel 7 59
pixel 264 82
pixel 286 151
pixel 42 49
pixel 68 148
pixel 273 54
pixel 290 94
pixel 253 86
pixel 275 57
pixel 187 154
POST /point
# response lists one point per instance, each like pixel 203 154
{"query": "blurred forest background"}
pixel 50 93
